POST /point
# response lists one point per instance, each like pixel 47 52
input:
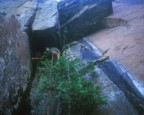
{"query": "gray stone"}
pixel 24 10
pixel 118 103
pixel 79 18
pixel 15 66
pixel 123 79
pixel 120 76
pixel 46 15
pixel 46 104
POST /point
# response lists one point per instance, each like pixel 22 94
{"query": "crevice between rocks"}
pixel 39 40
pixel 24 107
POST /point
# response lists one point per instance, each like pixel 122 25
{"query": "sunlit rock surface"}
pixel 15 66
pixel 78 18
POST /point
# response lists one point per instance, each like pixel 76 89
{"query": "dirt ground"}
pixel 124 38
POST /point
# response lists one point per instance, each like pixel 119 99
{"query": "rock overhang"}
pixel 80 18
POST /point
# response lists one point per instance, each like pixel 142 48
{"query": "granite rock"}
pixel 15 66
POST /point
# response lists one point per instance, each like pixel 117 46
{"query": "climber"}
pixel 50 54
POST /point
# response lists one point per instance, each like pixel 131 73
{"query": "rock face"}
pixel 45 28
pixel 15 66
pixel 46 15
pixel 79 18
pixel 39 18
pixel 118 103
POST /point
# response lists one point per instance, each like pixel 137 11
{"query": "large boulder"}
pixel 15 66
pixel 78 18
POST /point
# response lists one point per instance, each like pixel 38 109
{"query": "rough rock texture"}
pixel 15 66
pixel 46 15
pixel 39 18
pixel 78 18
pixel 124 80
pixel 45 28
pixel 118 104
pixel 24 10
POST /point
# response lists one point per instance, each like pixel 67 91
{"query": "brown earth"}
pixel 123 39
